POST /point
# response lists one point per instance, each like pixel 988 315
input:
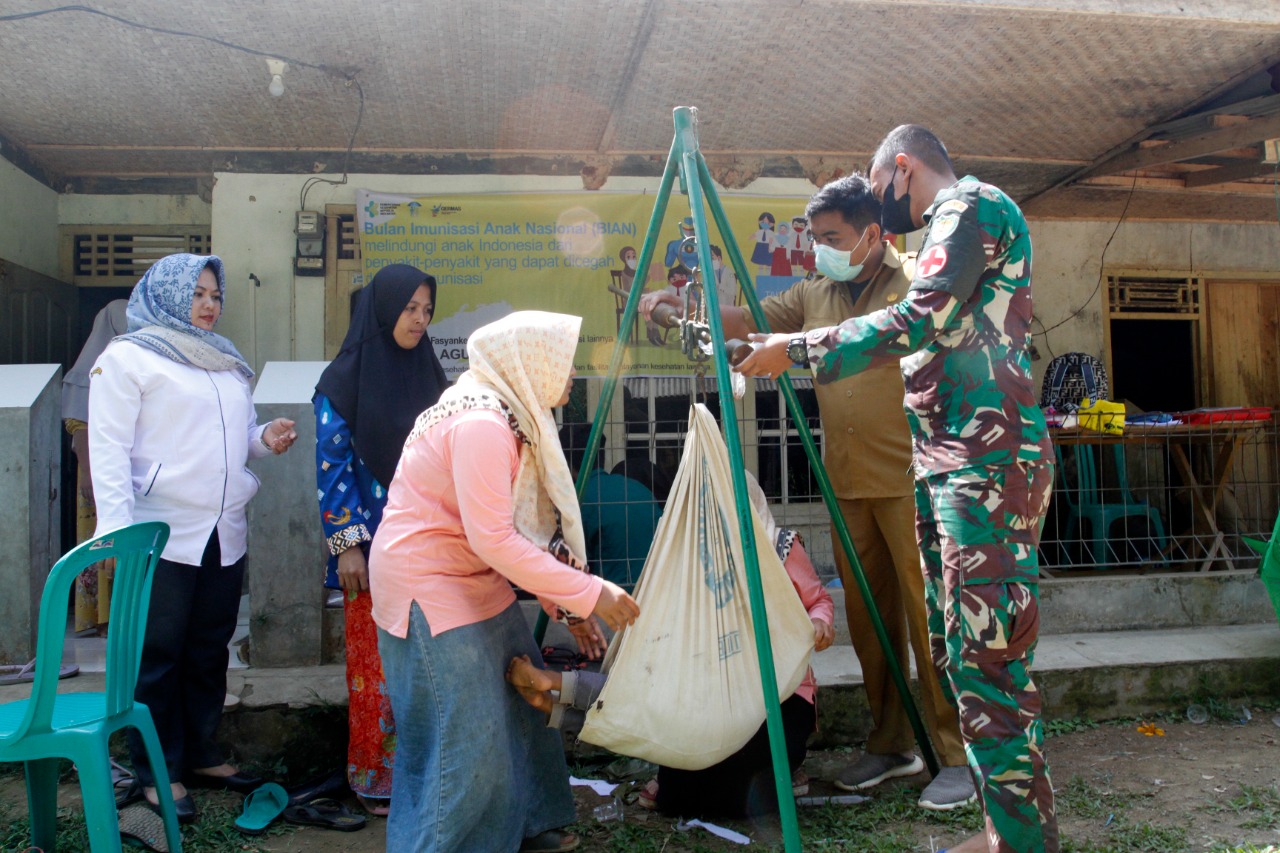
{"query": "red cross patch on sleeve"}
pixel 932 261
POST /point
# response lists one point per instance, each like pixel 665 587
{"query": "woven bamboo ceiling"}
pixel 1077 107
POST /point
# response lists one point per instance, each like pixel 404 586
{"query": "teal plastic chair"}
pixel 50 726
pixel 1103 507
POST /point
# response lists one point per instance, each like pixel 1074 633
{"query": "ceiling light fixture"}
pixel 276 68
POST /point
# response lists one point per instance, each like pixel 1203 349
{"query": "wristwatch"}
pixel 798 351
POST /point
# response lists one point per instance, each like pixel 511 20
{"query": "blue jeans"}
pixel 477 770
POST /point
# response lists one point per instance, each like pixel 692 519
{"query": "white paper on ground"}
pixel 600 786
pixel 727 834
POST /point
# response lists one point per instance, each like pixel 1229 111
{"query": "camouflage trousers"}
pixel 979 533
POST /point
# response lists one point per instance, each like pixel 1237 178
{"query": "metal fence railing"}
pixel 1163 497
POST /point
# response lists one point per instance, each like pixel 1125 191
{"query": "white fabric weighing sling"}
pixel 684 686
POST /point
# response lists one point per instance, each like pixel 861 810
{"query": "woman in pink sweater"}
pixel 482 498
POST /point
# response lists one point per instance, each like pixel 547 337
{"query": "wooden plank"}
pixel 1198 145
pixel 1227 174
pixel 339 277
pixel 1173 185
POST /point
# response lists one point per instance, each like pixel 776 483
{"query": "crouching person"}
pixel 743 784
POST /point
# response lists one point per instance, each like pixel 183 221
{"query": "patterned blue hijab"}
pixel 160 315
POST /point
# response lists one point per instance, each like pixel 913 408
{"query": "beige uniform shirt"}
pixel 868 442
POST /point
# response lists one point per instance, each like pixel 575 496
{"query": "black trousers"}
pixel 743 784
pixel 183 675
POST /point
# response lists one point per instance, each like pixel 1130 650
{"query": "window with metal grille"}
pixel 1154 294
pixel 118 255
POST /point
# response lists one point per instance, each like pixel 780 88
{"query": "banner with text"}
pixel 574 253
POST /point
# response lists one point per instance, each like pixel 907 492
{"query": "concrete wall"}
pixel 28 221
pixel 252 218
pixel 1069 257
pixel 30 474
pixel 76 209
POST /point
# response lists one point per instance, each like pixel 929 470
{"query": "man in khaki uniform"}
pixel 868 458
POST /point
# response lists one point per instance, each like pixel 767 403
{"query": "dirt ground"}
pixel 1195 787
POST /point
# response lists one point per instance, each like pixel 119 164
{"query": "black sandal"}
pixel 324 813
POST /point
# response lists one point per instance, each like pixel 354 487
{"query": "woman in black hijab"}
pixel 366 402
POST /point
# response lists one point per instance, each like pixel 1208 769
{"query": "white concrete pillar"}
pixel 287 553
pixel 30 477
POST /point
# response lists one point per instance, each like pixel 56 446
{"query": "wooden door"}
pixel 1244 352
pixel 343 274
pixel 39 318
pixel 1244 342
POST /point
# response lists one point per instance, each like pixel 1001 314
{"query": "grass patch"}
pixel 1124 837
pixel 884 824
pixel 1053 728
pixel 635 838
pixel 1081 798
pixel 1261 804
pixel 213 833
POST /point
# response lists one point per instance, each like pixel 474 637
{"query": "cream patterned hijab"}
pixel 519 365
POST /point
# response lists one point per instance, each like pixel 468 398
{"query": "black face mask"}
pixel 895 213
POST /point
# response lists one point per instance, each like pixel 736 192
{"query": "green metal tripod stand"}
pixel 686 160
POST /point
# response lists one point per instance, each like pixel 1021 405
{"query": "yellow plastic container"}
pixel 1101 416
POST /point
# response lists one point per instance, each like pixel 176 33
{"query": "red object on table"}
pixel 1228 413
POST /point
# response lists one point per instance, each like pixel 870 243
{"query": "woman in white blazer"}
pixel 171 427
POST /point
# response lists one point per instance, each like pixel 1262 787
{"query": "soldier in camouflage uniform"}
pixel 982 460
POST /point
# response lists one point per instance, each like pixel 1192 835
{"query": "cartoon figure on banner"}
pixel 675 253
pixel 762 254
pixel 781 264
pixel 801 245
pixel 677 278
pixel 726 280
pixel 629 259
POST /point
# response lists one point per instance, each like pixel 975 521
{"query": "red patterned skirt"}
pixel 371 751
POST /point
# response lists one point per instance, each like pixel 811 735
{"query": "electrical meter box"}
pixel 310 230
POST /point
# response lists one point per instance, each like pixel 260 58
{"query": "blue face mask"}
pixel 835 265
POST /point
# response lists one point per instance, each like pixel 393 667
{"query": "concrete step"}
pixel 1100 675
pixel 299 714
pixel 1127 601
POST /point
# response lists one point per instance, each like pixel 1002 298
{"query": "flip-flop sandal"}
pixel 648 796
pixel 142 827
pixel 377 806
pixel 121 777
pixel 326 814
pixel 131 794
pixel 14 674
pixel 266 803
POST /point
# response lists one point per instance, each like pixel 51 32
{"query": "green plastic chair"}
pixel 1102 506
pixel 49 725
pixel 1269 569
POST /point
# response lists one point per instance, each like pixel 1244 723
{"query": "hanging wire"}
pixel 347 75
pixel 1044 333
pixel 1102 265
pixel 311 182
